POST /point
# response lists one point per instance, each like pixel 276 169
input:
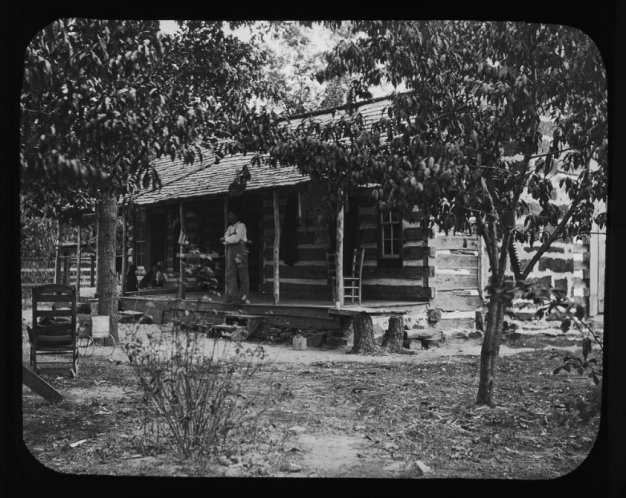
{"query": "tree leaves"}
pixel 114 94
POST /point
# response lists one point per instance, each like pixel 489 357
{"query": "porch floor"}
pixel 265 302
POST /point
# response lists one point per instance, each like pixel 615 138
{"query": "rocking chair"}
pixel 53 332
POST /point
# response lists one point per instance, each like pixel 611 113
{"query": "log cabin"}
pixel 402 265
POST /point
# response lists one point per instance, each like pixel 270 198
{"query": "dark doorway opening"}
pixel 158 240
pixel 250 210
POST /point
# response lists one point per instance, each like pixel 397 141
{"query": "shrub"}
pixel 553 301
pixel 194 390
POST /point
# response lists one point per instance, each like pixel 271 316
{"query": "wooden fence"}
pixel 40 271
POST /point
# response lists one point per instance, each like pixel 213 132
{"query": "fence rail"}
pixel 40 271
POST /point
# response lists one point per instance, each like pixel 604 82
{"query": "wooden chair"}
pixel 53 332
pixel 352 283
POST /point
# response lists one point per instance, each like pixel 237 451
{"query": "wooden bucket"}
pixel 299 343
pixel 100 326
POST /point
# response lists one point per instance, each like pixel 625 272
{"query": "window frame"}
pixel 393 260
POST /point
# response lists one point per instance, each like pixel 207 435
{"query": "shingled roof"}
pixel 212 180
pixel 207 179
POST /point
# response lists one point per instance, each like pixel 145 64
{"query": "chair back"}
pixel 357 262
pixel 54 328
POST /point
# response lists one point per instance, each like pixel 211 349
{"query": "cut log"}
pixel 364 336
pixel 393 338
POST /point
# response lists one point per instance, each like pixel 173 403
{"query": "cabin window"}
pixel 140 258
pixel 390 239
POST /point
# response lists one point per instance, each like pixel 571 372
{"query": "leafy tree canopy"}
pixel 102 98
pixel 473 89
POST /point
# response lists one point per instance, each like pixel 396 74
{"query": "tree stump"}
pixel 364 336
pixel 393 338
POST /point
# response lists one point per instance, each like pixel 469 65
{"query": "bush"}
pixel 194 391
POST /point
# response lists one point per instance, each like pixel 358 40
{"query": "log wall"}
pixel 309 277
pixel 564 265
pixel 456 272
pixel 204 224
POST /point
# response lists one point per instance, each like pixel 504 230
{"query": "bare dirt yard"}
pixel 340 415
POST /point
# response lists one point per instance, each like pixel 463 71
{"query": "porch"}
pixel 312 312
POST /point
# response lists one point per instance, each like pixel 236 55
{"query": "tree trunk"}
pixel 364 335
pixel 124 251
pixel 182 281
pixel 490 350
pixel 107 278
pixel 339 246
pixel 392 340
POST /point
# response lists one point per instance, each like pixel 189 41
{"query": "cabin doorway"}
pixel 158 240
pixel 250 209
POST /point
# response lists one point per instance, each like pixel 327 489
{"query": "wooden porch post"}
pixel 339 257
pixel 66 270
pixel 276 249
pixel 97 244
pixel 226 207
pixel 226 214
pixel 124 250
pixel 78 263
pixel 182 281
pixel 57 255
pixel 92 269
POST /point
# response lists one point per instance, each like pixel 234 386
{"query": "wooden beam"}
pixel 124 250
pixel 276 249
pixel 339 257
pixel 469 242
pixel 182 280
pixel 593 274
pixel 37 384
pixel 97 243
pixel 226 208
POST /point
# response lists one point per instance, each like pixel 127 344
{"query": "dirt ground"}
pixel 345 416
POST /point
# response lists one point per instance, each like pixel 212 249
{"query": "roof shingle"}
pixel 186 181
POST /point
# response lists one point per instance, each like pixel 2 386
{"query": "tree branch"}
pixel 551 153
pixel 488 242
pixel 559 229
pixel 504 249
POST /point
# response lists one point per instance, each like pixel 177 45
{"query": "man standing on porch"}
pixel 236 258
